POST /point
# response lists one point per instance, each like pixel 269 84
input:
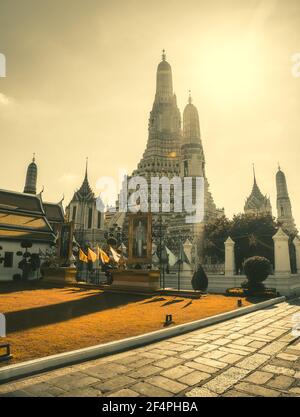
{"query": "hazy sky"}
pixel 81 82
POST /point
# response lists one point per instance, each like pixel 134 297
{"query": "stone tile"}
pixel 141 362
pixel 231 358
pixel 243 341
pixel 242 348
pixel 215 354
pixel 287 357
pixel 168 362
pixel 259 377
pixel 210 362
pixel 200 392
pixel 257 344
pixel 83 393
pixel 106 371
pixel 128 359
pixel 252 362
pixel 17 393
pixel 115 383
pixel 235 351
pixel 163 352
pixel 72 381
pixel 281 381
pixel 279 370
pixel 273 348
pixel 225 380
pixel 144 371
pixel 257 390
pixel 152 355
pixel 295 390
pixel 194 378
pixel 235 393
pixel 201 367
pixel 124 393
pixel 177 372
pixel 148 390
pixel 207 348
pixel 191 354
pixel 222 342
pixel 166 384
pixel 44 389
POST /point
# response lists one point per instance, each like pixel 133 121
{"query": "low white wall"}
pixel 7 273
pixel 285 285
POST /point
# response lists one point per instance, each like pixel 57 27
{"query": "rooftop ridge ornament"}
pixel 253 165
pixel 86 166
pixel 33 157
pixel 163 55
pixel 190 97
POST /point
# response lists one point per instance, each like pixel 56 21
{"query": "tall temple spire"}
pixel 164 83
pixel 31 177
pixel 284 207
pixel 191 126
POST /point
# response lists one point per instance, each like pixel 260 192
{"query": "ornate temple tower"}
pixel 161 156
pixel 284 207
pixel 82 210
pixel 192 156
pixel 31 178
pixel 257 203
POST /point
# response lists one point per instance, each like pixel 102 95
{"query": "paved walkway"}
pixel 254 355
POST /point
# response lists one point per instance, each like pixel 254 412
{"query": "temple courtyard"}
pixel 43 321
pixel 253 355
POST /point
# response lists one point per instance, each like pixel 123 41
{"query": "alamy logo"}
pixel 178 195
pixel 2 65
pixel 2 325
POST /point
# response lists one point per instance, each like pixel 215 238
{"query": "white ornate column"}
pixel 296 243
pixel 281 253
pixel 187 246
pixel 229 257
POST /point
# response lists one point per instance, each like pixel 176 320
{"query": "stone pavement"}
pixel 253 355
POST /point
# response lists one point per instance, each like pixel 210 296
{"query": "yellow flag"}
pixel 82 256
pixel 103 256
pixel 91 255
pixel 115 255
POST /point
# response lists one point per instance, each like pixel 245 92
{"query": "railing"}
pixel 214 268
pixel 95 276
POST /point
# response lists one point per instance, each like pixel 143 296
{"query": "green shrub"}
pixel 257 269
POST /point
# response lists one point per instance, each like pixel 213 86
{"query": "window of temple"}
pixel 74 213
pixel 90 218
pixel 8 259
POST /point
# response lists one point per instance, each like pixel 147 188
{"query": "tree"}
pixel 215 234
pixel 252 234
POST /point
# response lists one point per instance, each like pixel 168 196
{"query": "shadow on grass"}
pixel 55 313
pixel 174 301
pixel 154 300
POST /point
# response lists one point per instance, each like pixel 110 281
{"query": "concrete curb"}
pixel 25 369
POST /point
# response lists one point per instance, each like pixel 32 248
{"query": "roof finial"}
pixel 86 166
pixel 190 97
pixel 279 169
pixel 33 157
pixel 254 172
pixel 163 55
